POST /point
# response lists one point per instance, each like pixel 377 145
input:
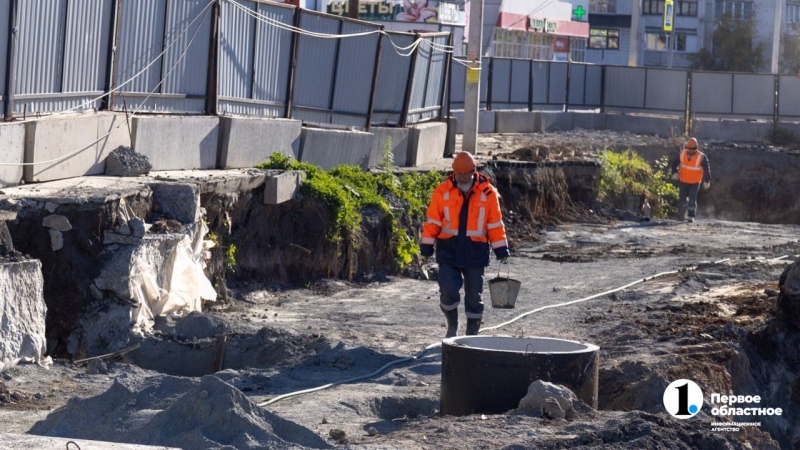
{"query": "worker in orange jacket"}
pixel 691 168
pixel 464 222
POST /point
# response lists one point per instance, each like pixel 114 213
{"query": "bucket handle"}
pixel 508 269
pixel 519 333
pixel 530 344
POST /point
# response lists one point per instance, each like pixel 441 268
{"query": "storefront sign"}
pixel 401 11
pixel 561 44
pixel 543 25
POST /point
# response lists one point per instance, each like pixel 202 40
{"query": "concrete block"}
pixel 22 307
pixel 486 122
pixel 556 121
pixel 330 148
pixel 179 201
pixel 661 126
pixel 399 142
pixel 56 137
pixel 731 130
pixel 426 142
pixel 518 122
pixel 589 121
pixel 12 151
pixel 246 142
pixel 177 142
pixel 283 187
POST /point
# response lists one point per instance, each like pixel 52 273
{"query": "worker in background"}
pixel 464 221
pixel 691 169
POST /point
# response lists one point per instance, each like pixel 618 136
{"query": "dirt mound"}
pixel 177 412
pixel 789 298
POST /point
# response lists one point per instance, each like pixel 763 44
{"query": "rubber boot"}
pixel 473 326
pixel 452 322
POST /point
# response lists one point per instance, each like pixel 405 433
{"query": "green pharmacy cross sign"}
pixel 579 12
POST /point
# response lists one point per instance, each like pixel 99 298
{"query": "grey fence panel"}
pixel 625 87
pixel 176 82
pixel 558 83
pixel 754 94
pixel 314 72
pixel 428 76
pixel 5 11
pixel 520 82
pixel 501 83
pixel 354 75
pixel 789 99
pixel 594 85
pixel 62 51
pixel 577 84
pixel 540 82
pixel 666 90
pixel 458 80
pixel 393 74
pixel 712 93
pixel 254 61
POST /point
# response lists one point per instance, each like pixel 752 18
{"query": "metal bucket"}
pixel 503 292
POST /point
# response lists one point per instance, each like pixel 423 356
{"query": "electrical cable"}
pixel 432 346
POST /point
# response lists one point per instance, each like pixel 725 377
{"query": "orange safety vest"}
pixel 691 172
pixel 484 220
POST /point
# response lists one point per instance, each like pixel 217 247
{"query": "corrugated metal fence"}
pixel 546 85
pixel 237 57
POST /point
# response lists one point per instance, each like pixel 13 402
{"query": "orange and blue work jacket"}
pixel 692 170
pixel 464 227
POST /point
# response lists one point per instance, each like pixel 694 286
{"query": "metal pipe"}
pixel 409 84
pixel 489 92
pixel 64 46
pixel 11 81
pixel 374 88
pixel 105 104
pixel 163 42
pixel 115 64
pixel 212 98
pixel 292 65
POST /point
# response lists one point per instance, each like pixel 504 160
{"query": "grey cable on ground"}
pixel 432 346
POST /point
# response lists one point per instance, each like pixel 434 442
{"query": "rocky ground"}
pixel 715 321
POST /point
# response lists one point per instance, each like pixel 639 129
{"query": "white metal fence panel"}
pixel 540 82
pixel 393 77
pixel 520 76
pixel 314 72
pixel 712 93
pixel 355 70
pixel 577 85
pixel 625 87
pixel 594 86
pixel 458 79
pixel 426 94
pixel 501 83
pixel 754 94
pixel 666 90
pixel 789 99
pixel 558 83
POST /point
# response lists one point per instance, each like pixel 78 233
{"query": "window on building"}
pixel 792 13
pixel 603 6
pixel 682 7
pixel 604 38
pixel 577 49
pixel 522 44
pixel 737 8
pixel 657 41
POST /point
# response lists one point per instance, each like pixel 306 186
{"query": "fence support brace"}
pixel 12 62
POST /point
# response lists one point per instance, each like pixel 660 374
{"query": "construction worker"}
pixel 690 168
pixel 464 221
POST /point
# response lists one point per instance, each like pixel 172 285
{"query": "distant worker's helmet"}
pixel 464 163
pixel 691 144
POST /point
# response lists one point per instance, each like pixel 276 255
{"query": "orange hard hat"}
pixel 691 144
pixel 464 163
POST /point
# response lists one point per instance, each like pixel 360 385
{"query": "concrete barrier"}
pixel 329 148
pixel 427 141
pixel 12 151
pixel 283 187
pixel 177 142
pixel 661 126
pixel 399 145
pixel 246 142
pixel 518 122
pixel 731 130
pixel 589 121
pixel 556 121
pixel 91 137
pixel 486 121
pixel 22 307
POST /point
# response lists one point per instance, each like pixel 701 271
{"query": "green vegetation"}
pixel 732 47
pixel 626 180
pixel 230 258
pixel 349 192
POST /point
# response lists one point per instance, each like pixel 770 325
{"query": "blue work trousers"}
pixel 451 278
pixel 688 200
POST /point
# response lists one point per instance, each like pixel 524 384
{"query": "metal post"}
pixel 212 98
pixel 292 65
pixel 777 103
pixel 64 46
pixel 688 113
pixel 112 77
pixel 163 44
pixel 409 84
pixel 472 94
pixel 12 61
pixel 633 49
pixel 332 92
pixel 530 85
pixel 569 80
pixel 776 35
pixel 603 89
pixel 252 68
pixel 352 9
pixel 489 89
pixel 446 79
pixel 670 38
pixel 375 74
pixel 105 104
pixel 644 94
